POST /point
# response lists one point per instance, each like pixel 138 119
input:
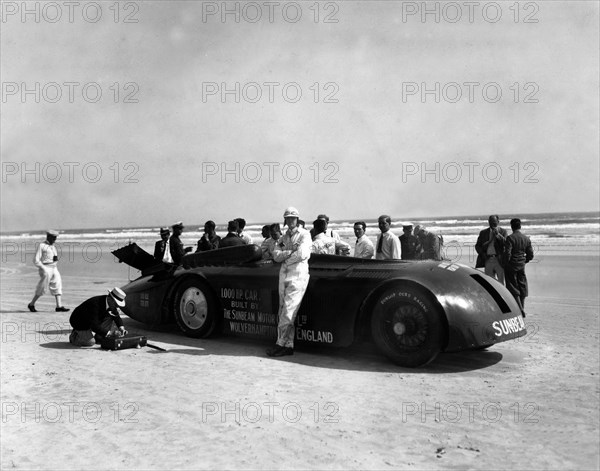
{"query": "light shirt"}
pixel 246 238
pixel 44 256
pixel 491 249
pixel 323 244
pixel 167 257
pixel 364 247
pixel 390 247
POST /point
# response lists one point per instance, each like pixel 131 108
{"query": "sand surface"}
pixel 221 403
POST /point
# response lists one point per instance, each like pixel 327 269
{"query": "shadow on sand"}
pixel 361 357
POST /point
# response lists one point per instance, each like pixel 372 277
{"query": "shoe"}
pixel 279 351
pixel 62 309
pixel 32 308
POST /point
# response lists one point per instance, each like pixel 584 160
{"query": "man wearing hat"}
pixel 175 244
pixel 98 315
pixel 160 248
pixel 408 242
pixel 46 259
pixel 293 252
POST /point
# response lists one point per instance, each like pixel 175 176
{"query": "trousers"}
pixel 49 279
pixel 291 292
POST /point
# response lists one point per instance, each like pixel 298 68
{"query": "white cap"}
pixel 291 212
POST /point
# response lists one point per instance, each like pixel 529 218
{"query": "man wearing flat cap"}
pixel 46 259
pixel 175 244
pixel 100 316
pixel 161 247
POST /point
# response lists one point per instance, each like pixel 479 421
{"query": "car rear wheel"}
pixel 407 326
pixel 195 308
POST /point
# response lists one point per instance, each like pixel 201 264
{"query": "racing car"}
pixel 411 310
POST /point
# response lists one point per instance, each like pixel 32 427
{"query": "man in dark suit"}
pixel 232 239
pixel 98 315
pixel 490 249
pixel 517 253
pixel 210 240
pixel 161 253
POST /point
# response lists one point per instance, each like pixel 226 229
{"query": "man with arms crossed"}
pixel 293 252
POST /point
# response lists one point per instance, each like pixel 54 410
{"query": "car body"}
pixel 412 310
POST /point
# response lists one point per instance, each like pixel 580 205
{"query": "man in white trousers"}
pixel 293 252
pixel 46 259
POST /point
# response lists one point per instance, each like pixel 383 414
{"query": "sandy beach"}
pixel 222 404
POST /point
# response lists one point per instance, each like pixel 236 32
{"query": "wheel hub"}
pixel 194 308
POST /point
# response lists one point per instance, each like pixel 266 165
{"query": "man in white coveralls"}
pixel 293 252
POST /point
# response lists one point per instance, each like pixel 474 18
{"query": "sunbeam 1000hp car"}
pixel 411 310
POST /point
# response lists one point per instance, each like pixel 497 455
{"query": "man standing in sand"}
pixel 46 259
pixel 490 249
pixel 517 253
pixel 388 245
pixel 293 252
pixel 98 315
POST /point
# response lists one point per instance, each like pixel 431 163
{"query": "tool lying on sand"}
pixel 130 340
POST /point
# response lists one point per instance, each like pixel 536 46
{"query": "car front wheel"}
pixel 407 326
pixel 195 308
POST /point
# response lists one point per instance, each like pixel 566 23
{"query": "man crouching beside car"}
pixel 100 316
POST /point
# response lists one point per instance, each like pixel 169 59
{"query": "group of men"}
pixel 504 256
pixel 419 244
pixel 501 255
pixel 170 249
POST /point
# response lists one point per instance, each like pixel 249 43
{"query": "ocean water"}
pixel 550 233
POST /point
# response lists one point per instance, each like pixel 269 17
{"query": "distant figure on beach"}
pixel 408 242
pixel 175 244
pixel 322 243
pixel 100 316
pixel 430 243
pixel 364 247
pixel 243 235
pixel 388 245
pixel 275 235
pixel 160 247
pixel 293 252
pixel 517 253
pixel 209 240
pixel 46 259
pixel 490 249
pixel 232 238
pixel 266 233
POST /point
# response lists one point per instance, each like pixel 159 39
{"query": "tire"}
pixel 407 326
pixel 195 308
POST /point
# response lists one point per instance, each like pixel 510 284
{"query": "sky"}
pixel 150 112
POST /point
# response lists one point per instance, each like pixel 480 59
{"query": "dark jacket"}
pixel 231 240
pixel 518 251
pixel 431 247
pixel 176 247
pixel 482 243
pixel 210 244
pixel 159 249
pixel 93 315
pixel 408 244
